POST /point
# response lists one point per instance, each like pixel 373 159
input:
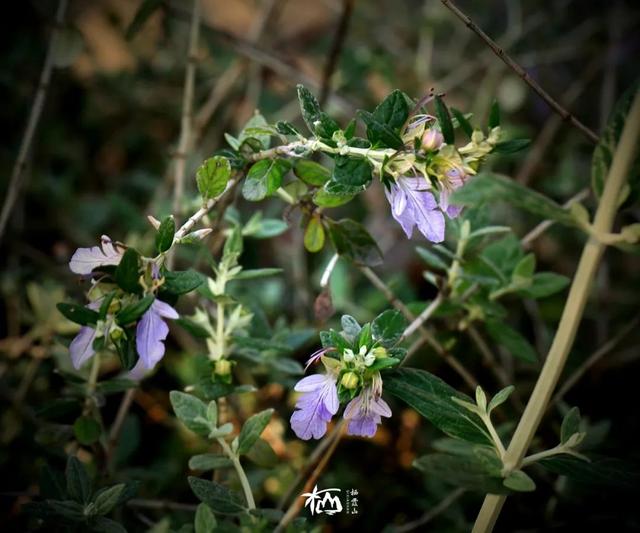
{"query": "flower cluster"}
pixel 119 313
pixel 422 181
pixel 352 360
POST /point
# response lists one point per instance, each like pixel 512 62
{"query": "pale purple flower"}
pixel 454 179
pixel 81 347
pixel 84 260
pixel 364 412
pixel 413 205
pixel 151 332
pixel 316 406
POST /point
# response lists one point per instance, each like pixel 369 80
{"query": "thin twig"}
pixel 552 125
pixel 116 427
pixel 491 363
pixel 593 359
pixel 180 155
pixel 566 115
pixel 200 213
pixel 424 332
pixel 295 507
pixel 161 505
pixel 32 122
pixel 336 49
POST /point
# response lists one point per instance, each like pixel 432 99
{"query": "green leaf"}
pixel 311 172
pixel 205 521
pixel 513 341
pixel 286 128
pixel 262 454
pixel 494 115
pixel 512 146
pixel 519 481
pixel 570 424
pixel 351 172
pixel 166 231
pixel 259 129
pixel 444 119
pixel 379 132
pixel 191 411
pixel 257 273
pixel 468 471
pixel 350 327
pixel 314 235
pixel 209 461
pixel 87 430
pixel 598 472
pixel 234 243
pixel 352 240
pixel 393 111
pixel 603 153
pixel 78 314
pixel 318 122
pixel 133 311
pixel 462 121
pixel 78 482
pixel 489 188
pixel 387 327
pixel 143 13
pixel 252 429
pixel 431 397
pixel 107 499
pixel 126 349
pixel 432 259
pixel 324 198
pixel 545 284
pixel 219 498
pixel 501 397
pixel 128 271
pixel 524 269
pixel 269 227
pixel 182 282
pixel 264 178
pixel 212 177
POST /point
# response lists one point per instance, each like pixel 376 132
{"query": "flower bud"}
pixel 369 359
pixel 432 139
pixel 349 380
pixel 222 367
pixel 379 352
pixel 348 355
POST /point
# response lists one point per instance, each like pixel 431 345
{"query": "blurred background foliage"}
pixel 101 163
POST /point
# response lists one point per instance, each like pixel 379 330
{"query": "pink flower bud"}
pixel 432 140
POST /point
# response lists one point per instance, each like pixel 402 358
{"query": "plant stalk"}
pixel 571 315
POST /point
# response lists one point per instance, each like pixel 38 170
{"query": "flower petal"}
pixel 164 309
pixel 84 260
pixel 151 331
pixel 310 383
pixel 81 347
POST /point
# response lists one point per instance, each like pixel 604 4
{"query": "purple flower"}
pixel 81 347
pixel 413 205
pixel 84 260
pixel 364 412
pixel 454 179
pixel 151 332
pixel 316 406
